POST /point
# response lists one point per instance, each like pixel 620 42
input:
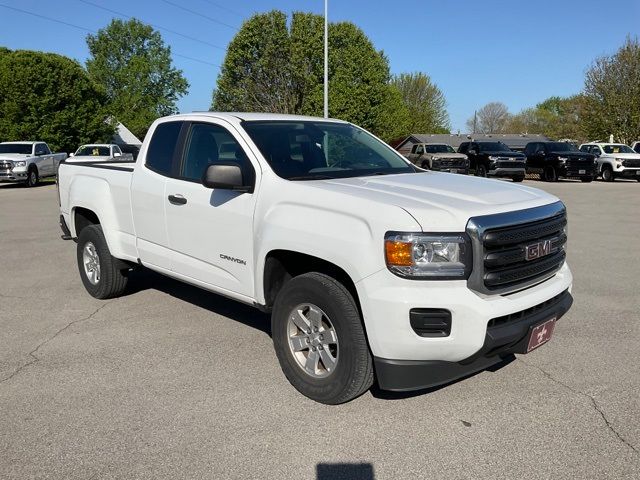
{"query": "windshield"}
pixel 439 149
pixel 561 147
pixel 24 148
pixel 93 151
pixel 493 147
pixel 314 150
pixel 617 148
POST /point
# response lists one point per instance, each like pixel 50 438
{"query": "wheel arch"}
pixel 280 265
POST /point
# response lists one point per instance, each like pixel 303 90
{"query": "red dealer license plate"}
pixel 541 334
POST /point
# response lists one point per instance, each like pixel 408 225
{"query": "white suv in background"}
pixel 615 160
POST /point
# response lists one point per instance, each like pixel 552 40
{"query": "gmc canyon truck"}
pixel 440 157
pixel 27 162
pixel 369 266
pixel 553 160
pixel 494 159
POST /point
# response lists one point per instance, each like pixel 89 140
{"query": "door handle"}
pixel 177 199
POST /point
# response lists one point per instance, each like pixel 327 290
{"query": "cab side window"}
pixel 420 150
pixel 208 144
pixel 162 147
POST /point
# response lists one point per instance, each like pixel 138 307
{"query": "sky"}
pixel 476 51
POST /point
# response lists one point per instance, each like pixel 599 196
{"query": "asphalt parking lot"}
pixel 173 382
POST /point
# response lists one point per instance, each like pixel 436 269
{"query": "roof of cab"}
pixel 255 116
pixel 22 142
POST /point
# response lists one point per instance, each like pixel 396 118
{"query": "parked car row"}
pixel 550 160
pixel 28 162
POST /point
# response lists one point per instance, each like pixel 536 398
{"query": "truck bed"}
pixel 101 180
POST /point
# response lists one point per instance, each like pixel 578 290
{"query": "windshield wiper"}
pixel 312 176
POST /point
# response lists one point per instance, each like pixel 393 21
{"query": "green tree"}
pixel 612 95
pixel 425 102
pixel 132 63
pixel 556 117
pixel 44 96
pixel 272 68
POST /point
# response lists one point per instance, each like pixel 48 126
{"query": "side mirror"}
pixel 72 154
pixel 472 152
pixel 227 176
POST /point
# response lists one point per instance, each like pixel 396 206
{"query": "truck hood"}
pixel 505 154
pixel 13 156
pixel 448 155
pixel 573 154
pixel 631 156
pixel 440 201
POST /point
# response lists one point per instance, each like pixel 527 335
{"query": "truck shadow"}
pixel 344 471
pixel 144 279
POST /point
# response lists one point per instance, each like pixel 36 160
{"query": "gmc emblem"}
pixel 537 250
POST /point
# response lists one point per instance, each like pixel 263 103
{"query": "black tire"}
pixel 481 170
pixel 425 164
pixel 607 173
pixel 586 179
pixel 353 373
pixel 32 177
pixel 112 279
pixel 550 174
pixel 518 179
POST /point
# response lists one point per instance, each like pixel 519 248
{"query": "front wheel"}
pixel 319 339
pixel 99 271
pixel 481 170
pixel 607 173
pixel 32 177
pixel 518 179
pixel 550 174
pixel 425 164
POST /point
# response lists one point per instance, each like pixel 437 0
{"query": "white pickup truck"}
pixel 370 267
pixel 28 162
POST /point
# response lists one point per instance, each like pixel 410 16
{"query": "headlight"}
pixel 493 158
pixel 563 159
pixel 428 256
pixel 20 163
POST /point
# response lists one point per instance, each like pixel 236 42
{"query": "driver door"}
pixel 211 230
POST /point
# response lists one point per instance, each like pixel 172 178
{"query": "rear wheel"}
pixel 319 339
pixel 550 174
pixel 100 273
pixel 607 173
pixel 32 177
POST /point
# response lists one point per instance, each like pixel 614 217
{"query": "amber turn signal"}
pixel 398 253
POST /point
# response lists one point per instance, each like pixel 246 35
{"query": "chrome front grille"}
pixel 517 249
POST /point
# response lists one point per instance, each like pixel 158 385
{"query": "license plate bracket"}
pixel 541 334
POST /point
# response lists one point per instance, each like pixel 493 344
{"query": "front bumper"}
pixel 460 170
pixel 386 302
pixel 507 172
pixel 501 342
pixel 12 176
pixel 572 171
pixel 625 172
